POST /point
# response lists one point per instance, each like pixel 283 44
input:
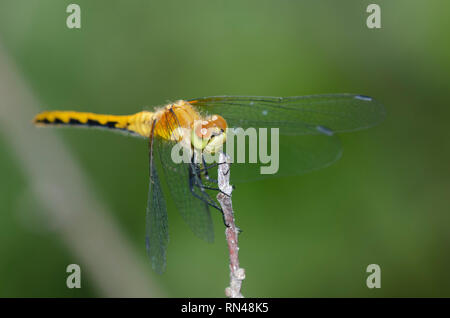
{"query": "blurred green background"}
pixel 385 202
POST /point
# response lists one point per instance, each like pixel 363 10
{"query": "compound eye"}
pixel 216 121
pixel 202 129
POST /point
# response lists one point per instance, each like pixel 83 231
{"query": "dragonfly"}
pixel 307 126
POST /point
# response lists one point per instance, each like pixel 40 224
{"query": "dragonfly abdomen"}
pixel 133 124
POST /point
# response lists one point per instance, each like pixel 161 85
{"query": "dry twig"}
pixel 237 274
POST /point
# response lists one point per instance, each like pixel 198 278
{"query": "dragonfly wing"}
pixel 194 211
pixel 315 117
pixel 295 156
pixel 302 115
pixel 157 235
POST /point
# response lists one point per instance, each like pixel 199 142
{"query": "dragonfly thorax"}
pixel 182 123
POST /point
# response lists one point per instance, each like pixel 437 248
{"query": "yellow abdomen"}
pixel 167 119
pixel 134 124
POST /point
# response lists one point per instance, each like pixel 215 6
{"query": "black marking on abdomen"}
pixel 108 124
pixel 43 121
pixel 73 121
pixel 76 122
pixel 90 123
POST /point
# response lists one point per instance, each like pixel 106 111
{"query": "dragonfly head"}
pixel 209 134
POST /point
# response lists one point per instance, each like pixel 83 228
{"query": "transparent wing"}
pixel 306 128
pixel 295 155
pixel 302 115
pixel 194 210
pixel 157 235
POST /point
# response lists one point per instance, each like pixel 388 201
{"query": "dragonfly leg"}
pixel 195 182
pixel 205 198
pixel 207 177
pixel 211 166
pixel 205 171
pixel 208 202
pixel 211 188
pixel 206 168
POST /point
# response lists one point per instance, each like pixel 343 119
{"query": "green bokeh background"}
pixel 385 202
